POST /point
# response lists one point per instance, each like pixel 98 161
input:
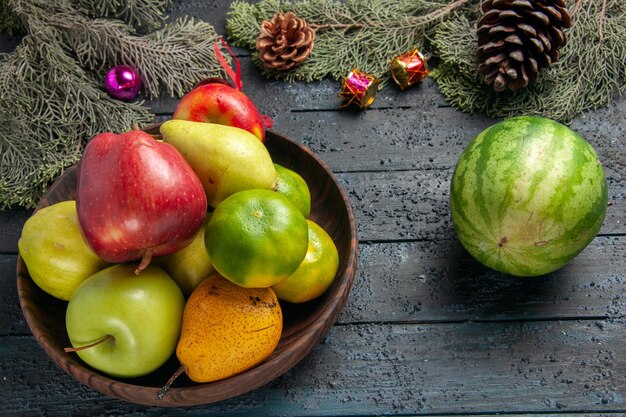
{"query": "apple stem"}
pixel 169 383
pixel 90 345
pixel 145 261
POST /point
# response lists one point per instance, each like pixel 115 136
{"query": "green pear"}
pixel 225 158
pixel 53 248
pixel 190 265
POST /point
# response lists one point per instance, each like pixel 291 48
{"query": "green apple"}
pixel 53 248
pixel 123 324
pixel 191 264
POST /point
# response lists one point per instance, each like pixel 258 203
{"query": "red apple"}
pixel 137 198
pixel 217 102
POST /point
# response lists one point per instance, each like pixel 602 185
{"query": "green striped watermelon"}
pixel 527 195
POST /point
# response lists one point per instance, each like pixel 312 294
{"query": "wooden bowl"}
pixel 304 324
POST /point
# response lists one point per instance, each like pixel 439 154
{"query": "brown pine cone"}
pixel 519 38
pixel 285 41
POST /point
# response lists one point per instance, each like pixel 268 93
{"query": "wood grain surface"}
pixel 426 330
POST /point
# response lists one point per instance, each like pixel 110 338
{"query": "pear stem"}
pixel 145 261
pixel 90 345
pixel 169 382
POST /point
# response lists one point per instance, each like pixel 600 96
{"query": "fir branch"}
pixel 51 96
pixel 366 34
pixel 144 15
pixel 9 21
pixel 589 73
pixel 49 109
pixel 175 57
pixel 574 8
pixel 357 33
pixel 414 20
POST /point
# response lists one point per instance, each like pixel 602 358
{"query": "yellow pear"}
pixel 226 159
pixel 227 329
pixel 191 264
pixel 54 250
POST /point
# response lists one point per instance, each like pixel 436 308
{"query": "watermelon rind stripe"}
pixel 527 195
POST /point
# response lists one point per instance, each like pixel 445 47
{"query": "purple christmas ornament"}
pixel 122 83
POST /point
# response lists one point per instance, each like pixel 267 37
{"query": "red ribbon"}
pixel 268 122
pixel 234 75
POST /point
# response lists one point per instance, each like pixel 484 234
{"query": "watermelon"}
pixel 527 195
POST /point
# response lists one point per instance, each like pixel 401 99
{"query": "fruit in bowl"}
pixel 137 198
pixel 256 238
pixel 226 159
pixel 226 330
pixel 190 265
pixel 316 272
pixel 53 248
pixel 124 325
pixel 286 343
pixel 218 102
pixel 294 187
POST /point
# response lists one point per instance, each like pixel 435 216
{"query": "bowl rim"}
pixel 295 347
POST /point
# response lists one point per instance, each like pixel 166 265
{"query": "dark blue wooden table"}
pixel 426 330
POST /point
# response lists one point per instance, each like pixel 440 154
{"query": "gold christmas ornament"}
pixel 285 41
pixel 359 88
pixel 408 69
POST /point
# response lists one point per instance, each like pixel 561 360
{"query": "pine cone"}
pixel 519 38
pixel 285 41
